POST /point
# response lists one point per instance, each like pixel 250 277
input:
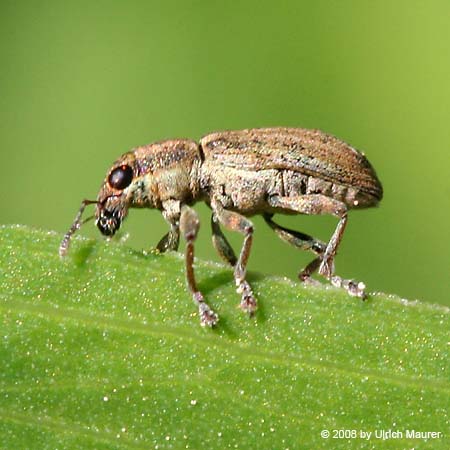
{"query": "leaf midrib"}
pixel 132 326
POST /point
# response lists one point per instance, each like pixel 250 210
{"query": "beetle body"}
pixel 239 174
pixel 253 165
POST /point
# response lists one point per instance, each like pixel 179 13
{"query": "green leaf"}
pixel 104 350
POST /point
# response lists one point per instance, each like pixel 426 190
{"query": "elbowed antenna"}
pixel 65 243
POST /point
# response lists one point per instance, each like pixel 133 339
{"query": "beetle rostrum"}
pixel 108 222
pixel 240 174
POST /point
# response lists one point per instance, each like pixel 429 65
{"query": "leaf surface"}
pixel 104 350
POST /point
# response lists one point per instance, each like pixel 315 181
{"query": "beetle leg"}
pixel 296 238
pixel 221 243
pixel 305 274
pixel 189 225
pixel 171 240
pixel 302 241
pixel 320 204
pixel 236 222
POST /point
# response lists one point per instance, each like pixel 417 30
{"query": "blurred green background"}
pixel 82 82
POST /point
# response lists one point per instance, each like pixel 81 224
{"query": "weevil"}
pixel 240 174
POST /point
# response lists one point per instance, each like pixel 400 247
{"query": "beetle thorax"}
pixel 166 171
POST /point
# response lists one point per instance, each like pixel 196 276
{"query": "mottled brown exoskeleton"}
pixel 240 174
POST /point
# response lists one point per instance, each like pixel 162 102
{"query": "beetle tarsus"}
pixel 248 302
pixel 208 318
pixel 308 280
pixel 305 274
pixel 354 288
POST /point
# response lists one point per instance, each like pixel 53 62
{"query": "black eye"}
pixel 121 177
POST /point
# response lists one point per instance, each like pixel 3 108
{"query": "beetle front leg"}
pixel 236 222
pixel 315 204
pixel 170 241
pixel 171 213
pixel 189 225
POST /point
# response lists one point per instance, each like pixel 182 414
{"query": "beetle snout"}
pixel 108 222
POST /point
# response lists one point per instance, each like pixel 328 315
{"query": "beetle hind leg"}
pixel 301 241
pixel 317 204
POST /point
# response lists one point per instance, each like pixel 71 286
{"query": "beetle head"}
pixel 115 195
pixel 145 177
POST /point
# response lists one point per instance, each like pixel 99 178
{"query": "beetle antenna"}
pixel 65 243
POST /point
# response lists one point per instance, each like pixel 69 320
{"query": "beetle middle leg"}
pixel 221 243
pixel 189 225
pixel 235 222
pixel 320 204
